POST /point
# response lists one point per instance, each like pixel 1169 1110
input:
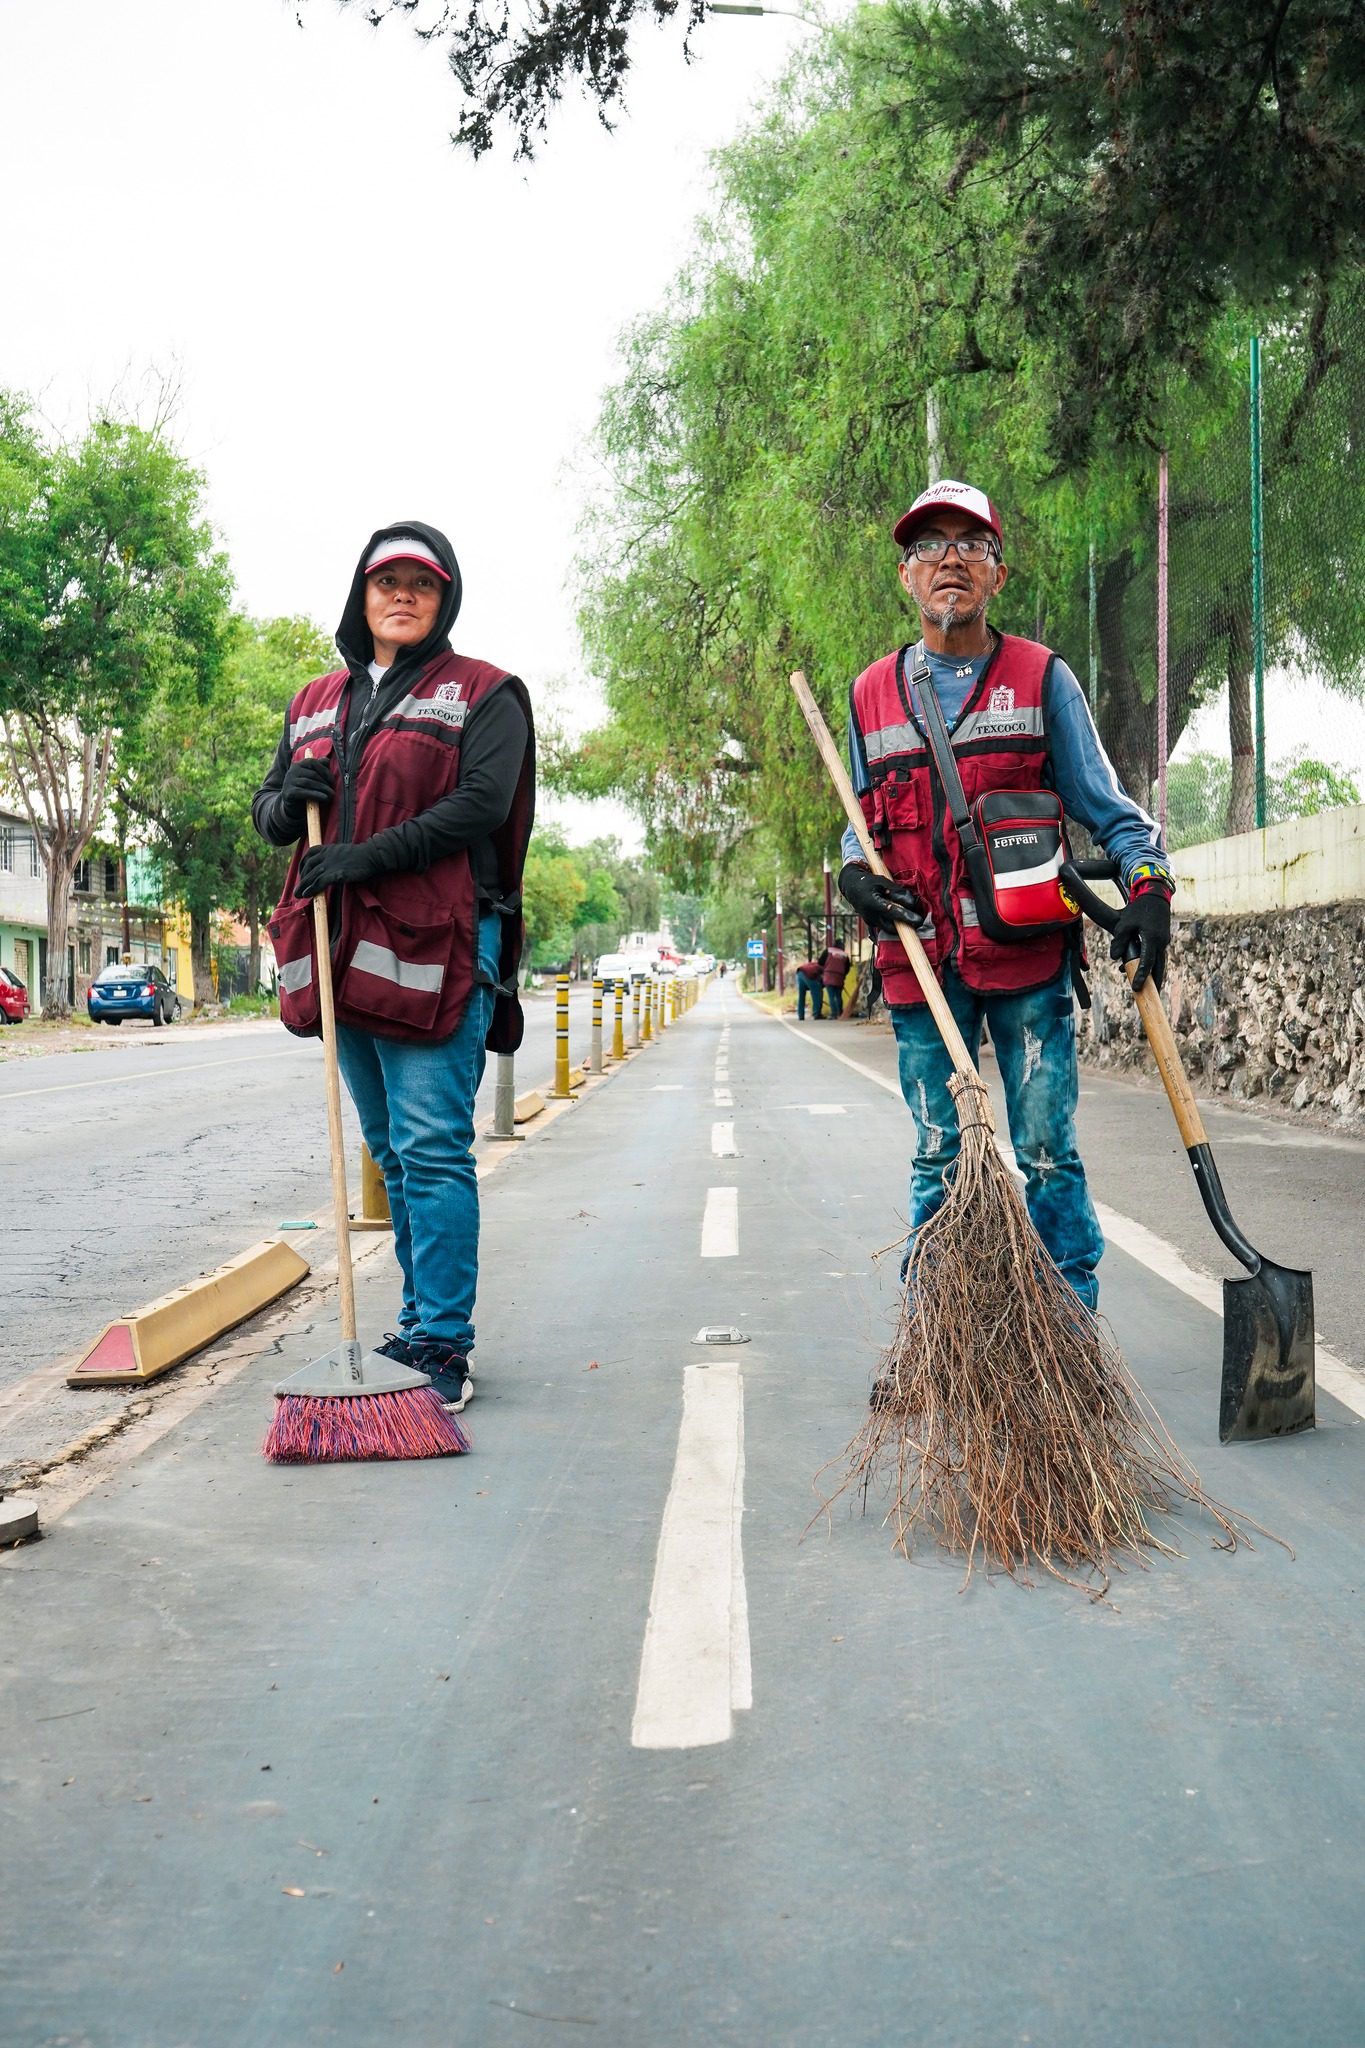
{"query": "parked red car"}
pixel 13 997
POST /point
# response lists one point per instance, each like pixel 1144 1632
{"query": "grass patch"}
pixel 253 1006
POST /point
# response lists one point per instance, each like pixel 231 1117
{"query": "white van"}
pixel 624 967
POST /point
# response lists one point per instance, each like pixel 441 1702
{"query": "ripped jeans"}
pixel 1034 1036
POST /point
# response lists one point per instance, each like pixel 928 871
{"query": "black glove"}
pixel 879 902
pixel 323 866
pixel 306 782
pixel 1146 919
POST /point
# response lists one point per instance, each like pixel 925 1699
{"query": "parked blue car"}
pixel 137 991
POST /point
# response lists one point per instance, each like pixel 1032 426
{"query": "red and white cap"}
pixel 405 547
pixel 947 496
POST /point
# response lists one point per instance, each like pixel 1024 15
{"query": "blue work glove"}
pixel 1145 919
pixel 880 902
pixel 324 866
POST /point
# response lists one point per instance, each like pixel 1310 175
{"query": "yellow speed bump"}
pixel 153 1339
pixel 527 1106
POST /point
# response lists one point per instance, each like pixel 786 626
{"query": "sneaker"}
pixel 396 1348
pixel 448 1370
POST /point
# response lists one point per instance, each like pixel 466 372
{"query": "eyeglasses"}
pixel 976 547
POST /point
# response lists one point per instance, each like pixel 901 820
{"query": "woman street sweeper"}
pixel 423 762
pixel 965 750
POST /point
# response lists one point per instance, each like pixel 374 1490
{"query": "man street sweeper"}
pixel 423 762
pixel 965 750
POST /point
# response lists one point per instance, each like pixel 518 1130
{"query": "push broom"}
pixel 1006 1422
pixel 351 1404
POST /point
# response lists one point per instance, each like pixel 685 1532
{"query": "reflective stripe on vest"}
pixel 999 742
pixel 311 721
pixel 386 965
pixel 297 974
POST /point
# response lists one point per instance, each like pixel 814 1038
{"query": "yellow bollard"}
pixel 562 1089
pixel 618 1025
pixel 636 1039
pixel 374 1196
pixel 648 1032
pixel 595 1056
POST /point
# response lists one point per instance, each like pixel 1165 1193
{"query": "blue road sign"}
pixel 757 948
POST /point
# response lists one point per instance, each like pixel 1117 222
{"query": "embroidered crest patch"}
pixel 1001 698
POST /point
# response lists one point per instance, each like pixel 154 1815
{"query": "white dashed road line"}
pixel 695 1667
pixel 723 1141
pixel 720 1224
pixel 723 1099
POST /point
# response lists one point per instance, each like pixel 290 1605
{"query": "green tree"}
pixel 847 322
pixel 552 890
pixel 1167 164
pixel 111 590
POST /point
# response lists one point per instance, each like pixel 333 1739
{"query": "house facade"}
pixel 23 904
pixel 107 923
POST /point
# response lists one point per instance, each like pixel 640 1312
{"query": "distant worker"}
pixel 834 973
pixel 1016 720
pixel 809 988
pixel 424 763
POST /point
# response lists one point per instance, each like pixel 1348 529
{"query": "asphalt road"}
pixel 132 1168
pixel 578 1736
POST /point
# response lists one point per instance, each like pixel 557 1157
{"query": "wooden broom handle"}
pixel 340 1208
pixel 908 936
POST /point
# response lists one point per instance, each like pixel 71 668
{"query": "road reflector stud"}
pixel 719 1333
pixel 141 1346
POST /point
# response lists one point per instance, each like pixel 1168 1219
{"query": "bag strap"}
pixel 930 713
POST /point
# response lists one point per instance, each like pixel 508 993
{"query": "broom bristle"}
pixel 1006 1422
pixel 413 1423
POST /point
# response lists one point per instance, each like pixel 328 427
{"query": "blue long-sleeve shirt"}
pixel 1079 769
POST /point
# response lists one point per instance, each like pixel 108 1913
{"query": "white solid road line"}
pixel 723 1141
pixel 720 1224
pixel 1343 1381
pixel 162 1074
pixel 695 1667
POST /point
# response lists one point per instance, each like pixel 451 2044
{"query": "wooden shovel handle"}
pixel 908 936
pixel 340 1207
pixel 1161 1038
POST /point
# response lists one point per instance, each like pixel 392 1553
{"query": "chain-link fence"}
pixel 1260 515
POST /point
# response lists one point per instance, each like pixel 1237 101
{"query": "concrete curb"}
pixel 139 1347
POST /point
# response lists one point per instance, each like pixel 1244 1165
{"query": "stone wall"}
pixel 1268 1007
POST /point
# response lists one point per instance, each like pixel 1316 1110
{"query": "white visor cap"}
pixel 405 547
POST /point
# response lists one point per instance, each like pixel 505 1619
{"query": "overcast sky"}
pixel 365 325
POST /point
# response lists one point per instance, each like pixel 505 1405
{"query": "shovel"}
pixel 1268 1377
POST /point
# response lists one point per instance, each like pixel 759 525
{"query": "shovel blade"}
pixel 1268 1377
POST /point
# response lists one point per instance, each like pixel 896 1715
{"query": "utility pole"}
pixel 777 894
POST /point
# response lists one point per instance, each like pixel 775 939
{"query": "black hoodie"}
pixel 492 748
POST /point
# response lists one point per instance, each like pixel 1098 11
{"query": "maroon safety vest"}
pixel 403 945
pixel 999 742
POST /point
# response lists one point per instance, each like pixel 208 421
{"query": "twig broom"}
pixel 1005 1420
pixel 350 1404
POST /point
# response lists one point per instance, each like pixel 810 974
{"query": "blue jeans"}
pixel 808 985
pixel 416 1107
pixel 1034 1036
